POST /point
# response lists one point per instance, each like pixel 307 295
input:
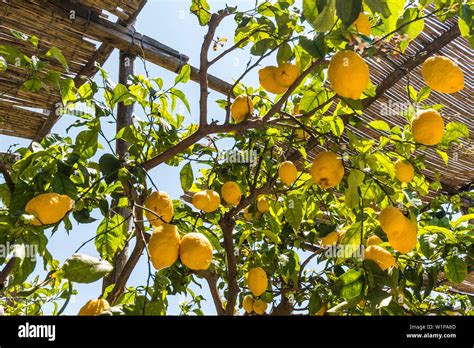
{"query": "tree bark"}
pixel 124 119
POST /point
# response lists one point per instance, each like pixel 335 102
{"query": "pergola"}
pixel 82 30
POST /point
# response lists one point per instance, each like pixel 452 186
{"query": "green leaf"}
pixel 80 268
pixel 423 94
pixel 437 229
pixel 184 75
pixel 68 90
pixel 109 166
pixel 181 96
pixel 262 46
pixel 443 155
pixel 32 85
pixel 315 303
pixel 462 219
pixel 56 53
pixel 354 180
pixel 272 236
pixel 63 185
pixel 414 28
pixel 111 236
pixel 130 134
pixel 454 132
pixel 202 10
pixel 284 54
pixel 348 11
pixel 87 143
pixel 349 285
pixel 379 125
pixel 455 269
pixel 294 211
pixel 312 100
pixel 186 177
pixel 379 6
pixel 324 19
pixel 316 46
pixel 34 41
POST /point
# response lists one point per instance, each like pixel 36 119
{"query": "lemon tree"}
pixel 325 221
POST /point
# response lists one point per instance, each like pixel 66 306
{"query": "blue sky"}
pixel 171 23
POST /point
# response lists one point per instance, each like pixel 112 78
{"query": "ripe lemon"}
pixel 195 251
pixel 247 303
pixel 374 240
pixel 348 74
pixel 262 205
pixel 201 200
pixel 207 200
pixel 405 239
pixel 164 246
pixel 214 201
pixel 267 78
pixel 231 192
pixel 443 75
pixel 379 255
pixel 257 281
pixel 362 24
pixel 241 108
pixel 286 74
pixel 330 239
pixel 327 169
pixel 162 205
pixel 260 306
pixel 427 127
pixel 48 208
pixel 94 307
pixel 401 232
pixel 287 172
pixel 404 171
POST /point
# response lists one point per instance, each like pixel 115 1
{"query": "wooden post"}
pixel 124 119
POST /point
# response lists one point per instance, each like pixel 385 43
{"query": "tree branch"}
pixel 6 175
pixel 7 270
pixel 211 279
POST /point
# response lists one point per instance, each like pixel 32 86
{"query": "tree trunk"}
pixel 124 119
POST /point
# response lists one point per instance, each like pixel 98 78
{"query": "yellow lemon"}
pixel 241 108
pixel 442 74
pixel 374 240
pixel 286 74
pixel 262 205
pixel 330 239
pixel 214 201
pixel 231 192
pixel 379 255
pixel 427 127
pixel 48 208
pixel 287 172
pixel 257 281
pixel 348 74
pixel 362 24
pixel 260 306
pixel 401 232
pixel 164 246
pixel 247 303
pixel 267 78
pixel 195 251
pixel 404 171
pixel 201 200
pixel 94 307
pixel 404 240
pixel 327 169
pixel 162 206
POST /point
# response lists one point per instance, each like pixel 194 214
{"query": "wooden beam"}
pixel 88 70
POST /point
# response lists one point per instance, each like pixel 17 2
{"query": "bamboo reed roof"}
pixel 31 115
pixel 24 114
